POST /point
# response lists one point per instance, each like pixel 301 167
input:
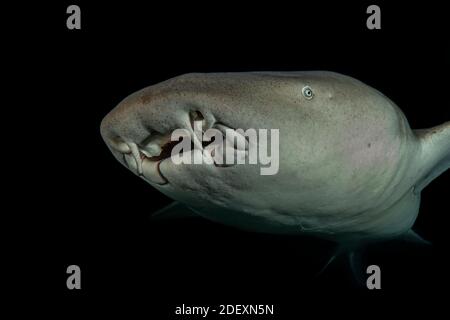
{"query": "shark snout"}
pixel 141 157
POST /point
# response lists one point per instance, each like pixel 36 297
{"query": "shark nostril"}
pixel 151 150
pixel 130 162
pixel 198 126
pixel 119 145
pixel 196 119
pixel 166 151
pixel 152 145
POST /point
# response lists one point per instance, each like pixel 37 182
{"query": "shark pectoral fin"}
pixel 337 252
pixel 353 258
pixel 175 210
pixel 358 266
pixel 434 154
pixel 411 236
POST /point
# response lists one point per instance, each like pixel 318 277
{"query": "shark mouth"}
pixel 147 165
pixel 146 157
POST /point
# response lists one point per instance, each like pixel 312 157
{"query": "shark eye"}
pixel 307 92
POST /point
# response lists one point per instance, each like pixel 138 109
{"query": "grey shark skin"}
pixel 350 168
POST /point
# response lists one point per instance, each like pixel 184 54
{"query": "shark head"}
pixel 339 144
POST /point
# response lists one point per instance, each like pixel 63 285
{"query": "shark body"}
pixel 350 168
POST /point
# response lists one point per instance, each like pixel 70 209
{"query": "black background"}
pixel 82 207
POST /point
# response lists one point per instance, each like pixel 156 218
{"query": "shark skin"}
pixel 350 168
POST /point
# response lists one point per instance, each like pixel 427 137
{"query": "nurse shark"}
pixel 351 169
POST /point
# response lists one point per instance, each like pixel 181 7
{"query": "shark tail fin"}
pixel 434 154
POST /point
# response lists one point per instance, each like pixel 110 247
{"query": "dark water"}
pixel 86 209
